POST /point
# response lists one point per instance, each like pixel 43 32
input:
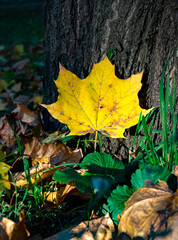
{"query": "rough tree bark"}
pixel 78 33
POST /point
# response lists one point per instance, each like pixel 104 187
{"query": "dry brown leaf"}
pixel 16 87
pixel 51 197
pixel 152 210
pixel 25 115
pixel 101 228
pixel 19 120
pixel 21 99
pixel 58 153
pixel 37 174
pixel 44 157
pixel 10 230
pixel 20 64
pixel 6 132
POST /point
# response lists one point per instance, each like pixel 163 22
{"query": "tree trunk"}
pixel 78 33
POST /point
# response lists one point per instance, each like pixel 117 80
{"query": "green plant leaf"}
pixel 102 164
pixel 82 183
pixel 116 202
pixel 151 172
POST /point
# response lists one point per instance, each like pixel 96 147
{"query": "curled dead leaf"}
pixel 37 174
pixel 6 132
pixel 10 230
pixel 45 157
pixel 20 64
pixel 18 120
pixel 25 115
pixel 152 211
pixel 58 153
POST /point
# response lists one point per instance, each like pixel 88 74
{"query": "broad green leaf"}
pixel 82 183
pixel 116 202
pixel 102 164
pixel 99 103
pixel 151 172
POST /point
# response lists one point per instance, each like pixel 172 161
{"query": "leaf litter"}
pixel 19 122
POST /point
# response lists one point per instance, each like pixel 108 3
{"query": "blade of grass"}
pixel 146 150
pixel 164 104
pixel 139 128
pixel 15 192
pixel 99 140
pixel 25 194
pixel 144 138
pixel 150 143
pixel 27 172
pixel 136 132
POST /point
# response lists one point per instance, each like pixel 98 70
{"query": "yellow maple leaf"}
pixel 101 102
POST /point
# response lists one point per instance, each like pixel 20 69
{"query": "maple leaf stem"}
pixel 96 135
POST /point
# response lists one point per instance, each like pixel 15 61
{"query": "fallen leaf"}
pixel 16 87
pixel 44 157
pixel 21 64
pixel 21 99
pixel 20 118
pixel 151 212
pixel 10 230
pixel 53 137
pixel 2 154
pixel 18 51
pixel 101 102
pixel 36 173
pixel 25 115
pixel 58 196
pixel 3 84
pixel 58 153
pixel 97 229
pixel 37 99
pixel 4 176
pixel 6 132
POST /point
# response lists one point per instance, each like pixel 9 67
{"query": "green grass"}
pixel 163 153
